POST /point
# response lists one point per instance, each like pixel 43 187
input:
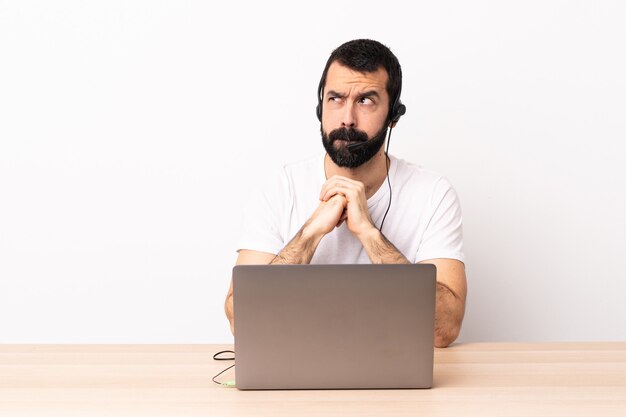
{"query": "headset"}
pixel 396 111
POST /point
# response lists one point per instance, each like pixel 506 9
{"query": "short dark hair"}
pixel 366 55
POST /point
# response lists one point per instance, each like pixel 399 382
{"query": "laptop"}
pixel 334 326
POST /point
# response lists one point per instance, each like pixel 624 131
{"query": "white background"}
pixel 132 131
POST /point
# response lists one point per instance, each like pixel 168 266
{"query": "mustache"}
pixel 352 135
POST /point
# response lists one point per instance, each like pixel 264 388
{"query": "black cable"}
pixel 215 357
pixel 222 383
pixel 229 358
pixel 388 181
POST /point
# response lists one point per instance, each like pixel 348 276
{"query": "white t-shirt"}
pixel 424 221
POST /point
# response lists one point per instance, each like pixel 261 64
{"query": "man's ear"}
pixel 393 124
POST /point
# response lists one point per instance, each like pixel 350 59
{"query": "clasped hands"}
pixel 341 199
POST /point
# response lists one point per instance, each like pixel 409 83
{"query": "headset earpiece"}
pixel 318 109
pixel 397 111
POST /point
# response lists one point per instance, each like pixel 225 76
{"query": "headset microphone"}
pixel 358 144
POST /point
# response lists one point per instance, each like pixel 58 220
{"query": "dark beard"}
pixel 357 156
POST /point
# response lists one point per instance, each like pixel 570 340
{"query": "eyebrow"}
pixel 366 94
pixel 333 93
pixel 371 93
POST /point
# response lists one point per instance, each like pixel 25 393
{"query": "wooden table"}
pixel 485 379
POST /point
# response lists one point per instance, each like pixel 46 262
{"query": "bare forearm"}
pixel 449 312
pixel 380 250
pixel 299 250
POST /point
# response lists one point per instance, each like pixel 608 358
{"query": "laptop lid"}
pixel 334 326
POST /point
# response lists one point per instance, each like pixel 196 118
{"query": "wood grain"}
pixel 482 379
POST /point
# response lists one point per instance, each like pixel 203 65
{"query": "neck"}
pixel 372 173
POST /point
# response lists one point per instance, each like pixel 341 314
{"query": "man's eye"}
pixel 366 100
pixel 334 99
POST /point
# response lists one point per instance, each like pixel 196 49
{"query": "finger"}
pixel 338 200
pixel 348 192
pixel 344 180
pixel 334 192
pixel 343 218
pixel 337 180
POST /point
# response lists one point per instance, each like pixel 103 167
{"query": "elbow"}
pixel 447 328
pixel 229 309
pixel 445 338
pixel 449 313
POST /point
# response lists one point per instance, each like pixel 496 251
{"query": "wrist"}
pixel 309 233
pixel 368 233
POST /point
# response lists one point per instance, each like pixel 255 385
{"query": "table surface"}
pixel 474 379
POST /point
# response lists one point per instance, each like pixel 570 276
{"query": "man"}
pixel 336 208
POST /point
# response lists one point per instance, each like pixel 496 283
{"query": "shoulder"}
pixel 422 183
pixel 409 172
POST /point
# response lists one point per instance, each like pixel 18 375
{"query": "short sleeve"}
pixel 261 228
pixel 443 236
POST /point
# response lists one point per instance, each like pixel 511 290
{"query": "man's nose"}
pixel 349 116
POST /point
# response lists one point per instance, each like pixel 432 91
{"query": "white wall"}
pixel 131 132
